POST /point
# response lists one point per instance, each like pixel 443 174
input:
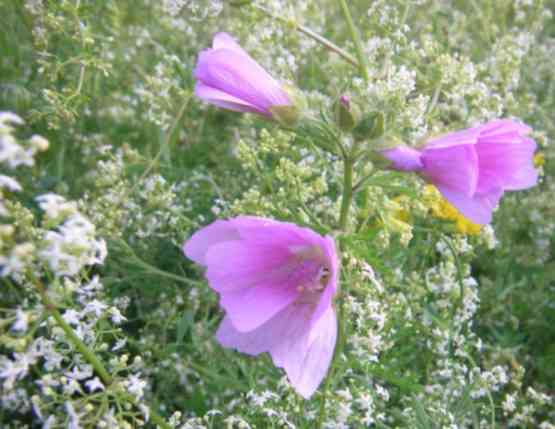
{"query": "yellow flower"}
pixel 464 226
pixel 399 212
pixel 539 159
pixel 442 209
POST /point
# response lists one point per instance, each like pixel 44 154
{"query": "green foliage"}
pixel 442 329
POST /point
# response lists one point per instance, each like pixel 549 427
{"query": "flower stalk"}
pixel 87 353
pixel 346 201
pixel 347 196
pixel 328 44
pixel 362 66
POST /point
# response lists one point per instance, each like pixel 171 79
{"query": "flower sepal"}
pixel 345 113
pixel 370 127
pixel 286 115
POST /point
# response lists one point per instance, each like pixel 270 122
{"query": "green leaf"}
pixel 184 325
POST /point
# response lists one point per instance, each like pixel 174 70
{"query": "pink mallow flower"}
pixel 472 168
pixel 276 282
pixel 228 77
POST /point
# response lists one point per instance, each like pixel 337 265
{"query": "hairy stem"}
pixel 164 146
pixel 362 66
pixel 87 353
pixel 314 36
pixel 347 196
pixel 346 201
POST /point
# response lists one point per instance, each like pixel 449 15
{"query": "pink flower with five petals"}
pixel 473 168
pixel 276 283
pixel 228 77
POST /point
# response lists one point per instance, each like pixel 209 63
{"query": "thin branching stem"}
pixel 85 351
pixel 361 63
pixel 314 36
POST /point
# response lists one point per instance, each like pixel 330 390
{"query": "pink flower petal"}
pixel 454 167
pixel 306 358
pixel 502 126
pixel 224 100
pixel 456 138
pixel 304 353
pixel 220 231
pixel 241 77
pixel 403 158
pixel 251 307
pixel 225 41
pixel 252 343
pixel 477 208
pixel 509 158
pixel 237 265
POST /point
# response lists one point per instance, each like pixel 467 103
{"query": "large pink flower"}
pixel 276 282
pixel 228 77
pixel 472 168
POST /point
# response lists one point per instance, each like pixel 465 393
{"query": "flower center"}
pixel 311 273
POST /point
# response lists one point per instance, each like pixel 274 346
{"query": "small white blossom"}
pixel 94 384
pixel 21 323
pixel 9 183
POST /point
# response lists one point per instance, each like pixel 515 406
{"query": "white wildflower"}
pixel 9 183
pixel 21 323
pixel 94 384
pixel 55 206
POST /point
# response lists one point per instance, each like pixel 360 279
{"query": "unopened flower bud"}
pixel 285 115
pixel 345 114
pixel 371 127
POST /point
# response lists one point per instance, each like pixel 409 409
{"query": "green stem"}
pixel 362 66
pixel 87 353
pixel 460 279
pixel 76 341
pixel 164 146
pixel 314 36
pixel 435 98
pixel 333 365
pixel 158 419
pixel 347 197
pixel 488 394
pixel 346 201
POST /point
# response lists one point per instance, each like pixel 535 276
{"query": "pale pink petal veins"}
pixel 217 232
pixel 240 264
pixel 304 352
pixel 454 167
pixel 225 41
pixel 224 100
pixel 510 158
pixel 229 69
pixel 276 282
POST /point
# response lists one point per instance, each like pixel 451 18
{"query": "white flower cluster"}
pixel 194 9
pixel 73 245
pixel 12 153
